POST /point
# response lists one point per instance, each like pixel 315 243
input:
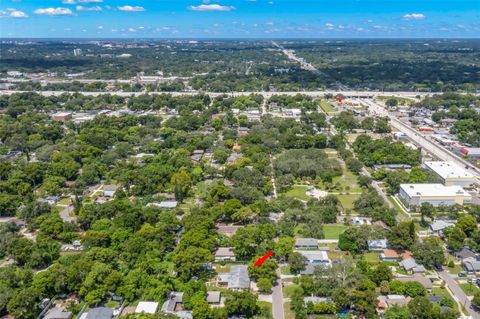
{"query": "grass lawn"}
pixel 287 290
pixel 298 191
pixel 333 231
pixel 285 270
pixel 372 257
pixel 347 182
pixel 289 314
pixel 112 304
pixel 347 200
pixel 224 268
pixel 265 305
pixel 438 291
pixel 327 107
pixel 397 206
pixel 469 289
pixel 64 201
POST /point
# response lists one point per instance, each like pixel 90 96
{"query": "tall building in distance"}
pixel 77 52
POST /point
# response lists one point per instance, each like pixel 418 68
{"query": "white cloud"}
pixel 95 8
pixel 414 16
pixel 54 11
pixel 69 2
pixel 329 26
pixel 12 13
pixel 211 7
pixel 131 8
pixel 100 27
pixel 132 30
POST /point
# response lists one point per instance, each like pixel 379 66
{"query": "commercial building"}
pixel 450 173
pixel 473 152
pixel 62 116
pixel 435 194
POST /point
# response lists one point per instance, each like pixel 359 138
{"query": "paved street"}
pixel 277 299
pixel 459 294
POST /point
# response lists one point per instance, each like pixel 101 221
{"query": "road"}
pixel 459 294
pixel 319 93
pixel 418 138
pixel 277 298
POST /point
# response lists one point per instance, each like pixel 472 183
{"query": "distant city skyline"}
pixel 240 19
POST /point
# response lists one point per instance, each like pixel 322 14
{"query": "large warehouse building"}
pixel 435 194
pixel 451 173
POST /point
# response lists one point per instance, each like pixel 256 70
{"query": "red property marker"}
pixel 261 260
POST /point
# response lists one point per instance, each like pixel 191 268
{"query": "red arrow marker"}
pixel 261 260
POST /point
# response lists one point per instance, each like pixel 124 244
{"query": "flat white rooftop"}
pixel 449 169
pixel 433 190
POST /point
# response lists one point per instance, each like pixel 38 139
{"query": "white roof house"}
pixel 440 224
pixel 317 257
pixel 451 173
pixel 147 307
pixel 435 194
pixel 168 204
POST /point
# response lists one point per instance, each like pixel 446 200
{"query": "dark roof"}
pixel 465 253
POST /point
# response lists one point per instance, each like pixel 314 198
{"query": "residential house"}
pixel 214 298
pixel 100 313
pixel 149 307
pixel 224 254
pixel 409 264
pixel 174 305
pixel 421 278
pixel 389 255
pixel 465 253
pixel 306 243
pixel 227 230
pixel 236 279
pixel 377 244
pixel 109 190
pixel 471 265
pixel 166 204
pixel 439 225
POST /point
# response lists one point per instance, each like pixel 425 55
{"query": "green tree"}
pixel 264 285
pixel 181 183
pixel 241 304
pixel 296 261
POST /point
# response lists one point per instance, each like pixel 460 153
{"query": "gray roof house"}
pixel 421 278
pixel 410 264
pixel 109 190
pixel 174 305
pixel 465 253
pixel 100 313
pixel 213 297
pixel 236 279
pixel 167 204
pixel 471 265
pixel 306 243
pixel 440 224
pixel 224 254
pixel 377 244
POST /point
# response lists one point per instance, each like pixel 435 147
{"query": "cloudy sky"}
pixel 240 18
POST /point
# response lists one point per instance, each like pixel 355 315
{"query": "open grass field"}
pixel 333 231
pixel 298 191
pixel 347 182
pixel 327 107
pixel 347 200
pixel 372 257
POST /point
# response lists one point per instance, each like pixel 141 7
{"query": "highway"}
pixel 319 93
pixel 423 141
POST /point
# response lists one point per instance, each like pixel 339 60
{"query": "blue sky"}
pixel 240 18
